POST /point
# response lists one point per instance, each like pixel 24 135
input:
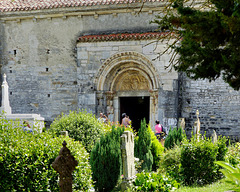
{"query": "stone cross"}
pixel 127 148
pixel 65 164
pixel 5 97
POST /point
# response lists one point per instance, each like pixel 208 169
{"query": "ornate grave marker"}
pixel 197 126
pixel 65 164
pixel 127 148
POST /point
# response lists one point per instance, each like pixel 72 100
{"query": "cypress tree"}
pixel 106 160
pixel 143 147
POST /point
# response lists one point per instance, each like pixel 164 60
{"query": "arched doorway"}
pixel 129 82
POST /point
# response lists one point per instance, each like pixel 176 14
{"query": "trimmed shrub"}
pixel 156 149
pixel 175 137
pixel 171 163
pixel 142 147
pixel 197 161
pixel 154 182
pixel 81 126
pixel 26 159
pixel 106 160
pixel 233 154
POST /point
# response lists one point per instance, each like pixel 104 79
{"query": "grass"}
pixel 219 186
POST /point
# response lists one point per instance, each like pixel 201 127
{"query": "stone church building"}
pixel 103 56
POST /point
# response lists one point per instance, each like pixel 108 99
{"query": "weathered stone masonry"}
pixel 78 54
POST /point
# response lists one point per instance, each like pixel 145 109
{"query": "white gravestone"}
pixel 5 97
pixel 127 148
pixel 35 120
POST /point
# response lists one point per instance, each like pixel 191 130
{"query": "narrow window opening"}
pixel 48 95
pixel 15 52
pixel 10 93
pixel 10 71
pixel 46 69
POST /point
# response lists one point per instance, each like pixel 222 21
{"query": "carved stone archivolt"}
pixel 132 81
pixel 127 61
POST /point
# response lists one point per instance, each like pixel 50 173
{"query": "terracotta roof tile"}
pixel 122 37
pixel 26 5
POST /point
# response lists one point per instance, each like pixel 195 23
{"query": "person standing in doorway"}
pixel 125 120
pixel 102 118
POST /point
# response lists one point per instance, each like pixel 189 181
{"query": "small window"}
pixel 46 69
pixel 15 52
pixel 48 95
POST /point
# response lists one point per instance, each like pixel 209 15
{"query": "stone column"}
pixel 153 106
pixel 110 109
pixel 100 103
pixel 5 97
pixel 127 148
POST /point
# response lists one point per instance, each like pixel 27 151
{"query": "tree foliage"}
pixel 142 147
pixel 106 160
pixel 207 38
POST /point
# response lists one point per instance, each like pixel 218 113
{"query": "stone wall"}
pixel 218 106
pixel 91 57
pixel 49 72
pixel 39 53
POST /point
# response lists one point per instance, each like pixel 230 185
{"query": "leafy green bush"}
pixel 81 126
pixel 170 163
pixel 175 137
pixel 233 154
pixel 142 147
pixel 197 161
pixel 231 173
pixel 106 160
pixel 156 149
pixel 26 159
pixel 154 182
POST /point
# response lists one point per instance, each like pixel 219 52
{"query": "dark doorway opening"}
pixel 137 108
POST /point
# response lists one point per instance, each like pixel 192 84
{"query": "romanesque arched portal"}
pixel 127 74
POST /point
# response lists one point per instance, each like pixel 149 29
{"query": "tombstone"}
pixel 127 148
pixel 196 130
pixel 214 136
pixel 181 123
pixel 5 97
pixel 35 120
pixel 64 133
pixel 65 164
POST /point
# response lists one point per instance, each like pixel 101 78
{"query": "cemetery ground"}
pixel 108 161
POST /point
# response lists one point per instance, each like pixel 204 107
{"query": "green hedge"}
pixel 142 147
pixel 175 137
pixel 171 161
pixel 81 126
pixel 156 149
pixel 154 182
pixel 106 160
pixel 26 158
pixel 197 160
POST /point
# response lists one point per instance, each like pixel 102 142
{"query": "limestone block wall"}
pixel 218 106
pixel 38 54
pixel 92 55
